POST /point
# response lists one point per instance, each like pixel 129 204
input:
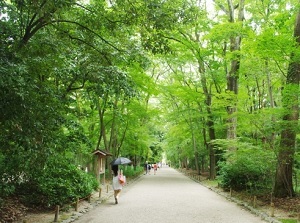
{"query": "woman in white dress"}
pixel 116 183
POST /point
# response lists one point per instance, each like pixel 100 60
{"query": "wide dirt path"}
pixel 168 197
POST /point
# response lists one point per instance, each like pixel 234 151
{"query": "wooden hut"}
pixel 100 163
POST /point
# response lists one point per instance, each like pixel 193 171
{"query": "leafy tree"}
pixel 284 175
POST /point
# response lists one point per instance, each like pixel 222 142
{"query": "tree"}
pixel 284 174
pixel 52 52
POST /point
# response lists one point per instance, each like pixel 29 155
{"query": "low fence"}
pixel 103 193
pixel 76 203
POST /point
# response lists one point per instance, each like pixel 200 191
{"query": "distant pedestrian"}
pixel 117 186
pixel 146 168
pixel 155 168
pixel 149 168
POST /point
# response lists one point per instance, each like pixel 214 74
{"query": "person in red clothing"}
pixel 155 168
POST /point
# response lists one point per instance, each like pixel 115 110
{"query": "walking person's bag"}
pixel 122 179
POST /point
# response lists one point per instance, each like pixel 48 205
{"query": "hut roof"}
pixel 101 152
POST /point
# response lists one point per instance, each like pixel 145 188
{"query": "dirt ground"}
pixel 15 212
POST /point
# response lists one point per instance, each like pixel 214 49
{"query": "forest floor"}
pixel 285 208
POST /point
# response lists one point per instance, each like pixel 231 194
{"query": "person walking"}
pixel 155 168
pixel 146 168
pixel 117 186
pixel 149 168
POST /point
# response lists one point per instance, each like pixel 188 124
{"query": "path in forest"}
pixel 168 197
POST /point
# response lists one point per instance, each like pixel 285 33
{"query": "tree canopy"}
pixel 207 85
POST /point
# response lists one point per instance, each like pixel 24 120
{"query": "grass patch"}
pixel 210 183
pixel 288 220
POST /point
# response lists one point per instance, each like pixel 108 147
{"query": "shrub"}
pixel 60 183
pixel 131 172
pixel 248 169
pixel 7 187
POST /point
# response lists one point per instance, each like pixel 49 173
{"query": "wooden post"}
pixel 77 204
pixel 100 190
pixel 56 213
pixel 272 209
pixel 254 201
pixel 107 188
pixel 230 192
pixel 271 198
pixel 104 177
pixel 89 198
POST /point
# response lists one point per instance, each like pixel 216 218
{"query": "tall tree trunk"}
pixel 113 140
pixel 232 75
pixel 196 154
pixel 102 134
pixel 211 129
pixel 284 174
pixel 209 122
pixel 271 139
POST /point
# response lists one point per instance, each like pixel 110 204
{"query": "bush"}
pixel 59 184
pixel 248 169
pixel 7 187
pixel 131 172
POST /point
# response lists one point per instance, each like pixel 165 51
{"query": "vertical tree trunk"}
pixel 212 155
pixel 196 154
pixel 113 139
pixel 232 76
pixel 209 122
pixel 101 124
pixel 284 173
pixel 271 140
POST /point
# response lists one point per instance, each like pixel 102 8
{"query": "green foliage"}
pixel 131 172
pixel 6 187
pixel 60 183
pixel 248 169
pixel 91 84
pixel 288 220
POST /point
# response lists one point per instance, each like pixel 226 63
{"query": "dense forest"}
pixel 209 85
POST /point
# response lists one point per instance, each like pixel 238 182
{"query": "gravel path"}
pixel 168 197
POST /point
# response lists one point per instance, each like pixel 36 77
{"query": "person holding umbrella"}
pixel 117 186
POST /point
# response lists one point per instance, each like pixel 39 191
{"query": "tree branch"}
pixel 88 29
